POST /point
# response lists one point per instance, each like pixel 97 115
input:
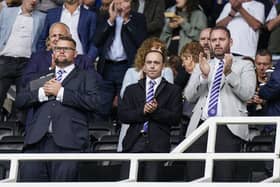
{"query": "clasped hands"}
pixel 150 107
pixel 52 87
pixel 205 67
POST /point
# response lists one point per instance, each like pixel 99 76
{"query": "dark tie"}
pixel 215 90
pixel 149 98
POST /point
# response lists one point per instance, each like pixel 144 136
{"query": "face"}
pixel 181 3
pixel 64 53
pixel 88 2
pixel 262 63
pixel 204 39
pixel 29 5
pixel 220 43
pixel 187 62
pixel 71 2
pixel 153 65
pixel 56 32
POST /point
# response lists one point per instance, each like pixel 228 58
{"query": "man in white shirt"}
pixel 220 87
pixel 19 32
pixel 243 18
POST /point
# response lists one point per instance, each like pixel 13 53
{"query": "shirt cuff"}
pixel 59 96
pixel 41 95
pixel 203 80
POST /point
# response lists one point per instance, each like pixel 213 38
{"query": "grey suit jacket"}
pixel 236 89
pixel 7 19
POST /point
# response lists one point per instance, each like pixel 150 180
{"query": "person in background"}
pixel 184 22
pixel 243 18
pixel 204 40
pixel 134 74
pixel 153 11
pixel 81 22
pixel 19 32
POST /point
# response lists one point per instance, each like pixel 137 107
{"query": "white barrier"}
pixel 176 154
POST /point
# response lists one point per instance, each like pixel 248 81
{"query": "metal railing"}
pixel 176 155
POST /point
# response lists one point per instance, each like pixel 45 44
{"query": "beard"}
pixel 62 63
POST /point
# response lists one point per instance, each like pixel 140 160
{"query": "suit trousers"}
pixel 148 170
pixel 223 170
pixel 48 171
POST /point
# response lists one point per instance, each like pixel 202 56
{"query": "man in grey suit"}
pixel 221 87
pixel 19 32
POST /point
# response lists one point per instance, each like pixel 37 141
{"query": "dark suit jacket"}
pixel 69 118
pixel 41 61
pixel 271 93
pixel 133 33
pixel 131 111
pixel 154 14
pixel 86 29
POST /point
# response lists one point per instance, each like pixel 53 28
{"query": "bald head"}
pixel 57 30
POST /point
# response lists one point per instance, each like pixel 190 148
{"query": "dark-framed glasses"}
pixel 65 49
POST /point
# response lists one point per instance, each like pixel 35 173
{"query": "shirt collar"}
pixel 77 11
pixel 68 69
pixel 158 80
pixel 21 13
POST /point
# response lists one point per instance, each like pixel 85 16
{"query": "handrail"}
pixel 175 155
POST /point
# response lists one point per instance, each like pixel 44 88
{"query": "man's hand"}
pixel 52 87
pixel 236 4
pixel 204 65
pixel 227 64
pixel 150 107
pixel 112 13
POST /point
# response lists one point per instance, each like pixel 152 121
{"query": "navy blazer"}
pixel 69 118
pixel 271 93
pixel 133 34
pixel 86 29
pixel 168 113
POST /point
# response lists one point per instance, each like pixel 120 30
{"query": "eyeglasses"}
pixel 65 49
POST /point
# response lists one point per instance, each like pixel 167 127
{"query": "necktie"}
pixel 149 98
pixel 59 74
pixel 215 91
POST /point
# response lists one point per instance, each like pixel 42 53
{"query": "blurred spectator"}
pixel 273 25
pixel 134 74
pixel 118 37
pixel 184 21
pixel 45 5
pixel 60 121
pixel 204 40
pixel 82 24
pixel 153 11
pixel 220 87
pixel 9 3
pixel 169 3
pixel 263 61
pixel 150 107
pixel 243 18
pixel 19 32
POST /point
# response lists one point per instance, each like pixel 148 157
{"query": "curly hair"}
pixel 193 49
pixel 145 47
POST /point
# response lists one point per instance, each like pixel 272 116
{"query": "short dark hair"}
pixel 264 52
pixel 68 38
pixel 221 28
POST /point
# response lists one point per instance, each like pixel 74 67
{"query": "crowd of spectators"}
pixel 133 58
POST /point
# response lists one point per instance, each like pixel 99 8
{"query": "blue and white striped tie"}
pixel 59 74
pixel 149 98
pixel 215 91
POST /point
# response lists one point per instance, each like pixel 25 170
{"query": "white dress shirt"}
pixel 116 51
pixel 19 43
pixel 158 80
pixel 72 21
pixel 42 96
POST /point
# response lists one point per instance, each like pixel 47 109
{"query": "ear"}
pixel 76 53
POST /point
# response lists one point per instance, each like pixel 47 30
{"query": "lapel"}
pixel 70 76
pixel 36 23
pixel 82 20
pixel 160 87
